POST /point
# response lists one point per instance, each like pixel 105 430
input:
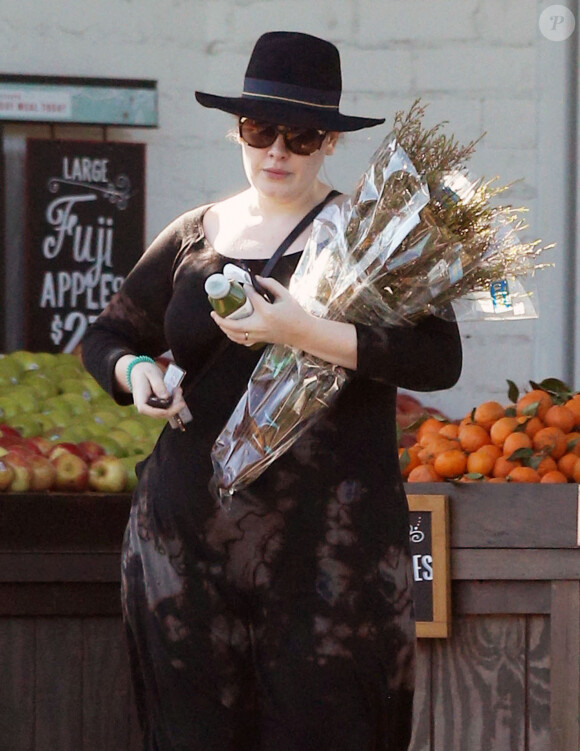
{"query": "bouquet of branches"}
pixel 416 235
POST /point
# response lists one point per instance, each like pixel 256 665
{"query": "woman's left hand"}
pixel 279 322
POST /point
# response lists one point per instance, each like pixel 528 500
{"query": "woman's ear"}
pixel 331 143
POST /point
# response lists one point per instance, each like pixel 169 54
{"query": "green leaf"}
pixel 535 385
pixel 535 461
pixel 510 412
pixel 472 415
pixel 513 391
pixel 474 475
pixel 570 445
pixel 531 409
pixel 404 460
pixel 555 385
pixel 520 454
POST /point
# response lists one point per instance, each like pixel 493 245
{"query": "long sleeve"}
pixel 424 357
pixel 133 322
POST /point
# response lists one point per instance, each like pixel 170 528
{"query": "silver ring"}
pixel 246 335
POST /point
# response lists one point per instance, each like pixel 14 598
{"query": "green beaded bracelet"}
pixel 131 365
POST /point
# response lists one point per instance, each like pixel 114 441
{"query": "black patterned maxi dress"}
pixel 285 624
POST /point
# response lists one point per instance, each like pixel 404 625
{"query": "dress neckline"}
pixel 208 244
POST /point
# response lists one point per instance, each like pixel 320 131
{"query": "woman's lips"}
pixel 276 174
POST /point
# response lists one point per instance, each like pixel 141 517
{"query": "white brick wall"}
pixel 476 63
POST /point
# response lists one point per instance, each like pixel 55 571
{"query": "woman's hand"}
pixel 280 322
pixel 146 380
pixel 285 322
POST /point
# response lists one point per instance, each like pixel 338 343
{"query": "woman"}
pixel 285 623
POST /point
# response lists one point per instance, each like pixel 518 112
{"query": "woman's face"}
pixel 277 173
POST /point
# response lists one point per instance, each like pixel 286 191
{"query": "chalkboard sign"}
pixel 84 233
pixel 429 543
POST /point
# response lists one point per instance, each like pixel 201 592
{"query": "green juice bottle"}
pixel 227 298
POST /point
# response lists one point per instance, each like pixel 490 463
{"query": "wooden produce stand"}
pixel 506 678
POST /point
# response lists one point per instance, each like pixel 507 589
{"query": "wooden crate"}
pixel 508 679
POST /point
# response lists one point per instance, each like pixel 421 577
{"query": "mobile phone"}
pixel 244 275
pixel 258 287
pixel 173 377
pixel 159 402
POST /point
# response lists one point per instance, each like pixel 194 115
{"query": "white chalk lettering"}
pixel 59 215
pixel 85 169
pixel 422 568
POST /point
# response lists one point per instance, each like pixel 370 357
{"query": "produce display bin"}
pixel 506 679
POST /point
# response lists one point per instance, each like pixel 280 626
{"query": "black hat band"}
pixel 285 92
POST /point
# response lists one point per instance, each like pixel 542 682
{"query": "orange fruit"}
pixel 472 437
pixel 532 425
pixel 548 464
pixel 566 464
pixel 429 425
pixel 502 466
pixel 480 462
pixel 424 473
pixel 523 474
pixel 496 479
pixel 534 403
pixel 551 440
pixel 492 450
pixel 413 461
pixel 465 478
pixel 573 443
pixel 554 476
pixel 501 428
pixel 450 463
pixel 487 413
pixel 433 446
pixel 466 421
pixel 516 441
pixel 450 430
pixel 559 416
pixel 573 404
pixel 576 472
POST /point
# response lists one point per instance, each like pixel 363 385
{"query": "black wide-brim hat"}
pixel 291 79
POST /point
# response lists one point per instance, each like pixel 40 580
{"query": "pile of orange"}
pixel 536 439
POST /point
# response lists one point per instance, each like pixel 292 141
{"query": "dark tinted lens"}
pixel 258 134
pixel 305 141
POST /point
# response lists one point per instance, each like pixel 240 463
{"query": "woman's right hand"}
pixel 147 380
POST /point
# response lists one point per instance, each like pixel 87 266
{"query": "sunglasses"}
pixel 302 141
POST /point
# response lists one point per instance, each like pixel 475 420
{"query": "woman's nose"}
pixel 279 146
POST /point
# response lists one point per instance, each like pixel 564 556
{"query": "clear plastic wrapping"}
pixel 402 246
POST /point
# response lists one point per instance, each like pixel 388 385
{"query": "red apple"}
pixel 65 448
pixel 42 444
pixel 6 475
pixel 43 473
pixel 107 474
pixel 72 472
pixel 91 450
pixel 20 448
pixel 22 471
pixel 6 442
pixel 407 403
pixel 8 431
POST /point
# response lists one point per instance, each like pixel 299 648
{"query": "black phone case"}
pixel 158 402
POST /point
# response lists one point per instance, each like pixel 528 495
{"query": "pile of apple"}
pixel 59 430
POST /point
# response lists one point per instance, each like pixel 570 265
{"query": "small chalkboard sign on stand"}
pixel 429 541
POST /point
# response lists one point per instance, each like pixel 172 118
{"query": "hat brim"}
pixel 286 113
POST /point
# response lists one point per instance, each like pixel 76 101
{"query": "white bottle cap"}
pixel 217 286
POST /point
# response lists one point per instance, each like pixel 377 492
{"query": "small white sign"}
pixel 34 104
